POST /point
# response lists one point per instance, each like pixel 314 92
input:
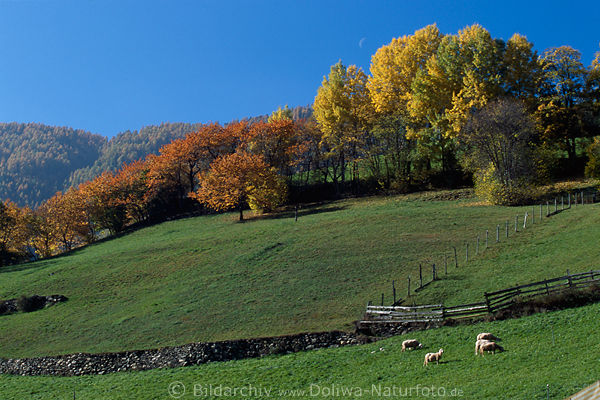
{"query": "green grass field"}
pixel 210 278
pixel 559 349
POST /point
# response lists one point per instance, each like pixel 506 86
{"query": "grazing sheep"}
pixel 487 336
pixel 490 347
pixel 411 344
pixel 478 343
pixel 430 357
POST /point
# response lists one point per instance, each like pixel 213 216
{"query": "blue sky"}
pixel 109 66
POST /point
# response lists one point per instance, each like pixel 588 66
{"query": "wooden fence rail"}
pixel 504 298
pixel 494 301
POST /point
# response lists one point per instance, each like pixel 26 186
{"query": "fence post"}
pixel 455 257
pixel 420 276
pixel 525 220
pixel 497 233
pixel 562 203
pixel 547 209
pixel 394 291
pixel 487 233
pixel 477 248
pixel 532 215
pixel 569 199
pixel 541 206
pixel 487 302
pixel 569 279
pixel 507 229
pixel 516 222
pixel 446 264
pixel 433 272
pixel 575 198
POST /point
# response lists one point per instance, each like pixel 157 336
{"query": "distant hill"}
pixel 130 146
pixel 38 160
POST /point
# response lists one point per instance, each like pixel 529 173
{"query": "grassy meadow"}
pixel 558 349
pixel 211 278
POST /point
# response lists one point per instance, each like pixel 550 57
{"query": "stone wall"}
pixel 180 356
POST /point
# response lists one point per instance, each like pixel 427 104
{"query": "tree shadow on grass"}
pixel 302 212
pixel 26 266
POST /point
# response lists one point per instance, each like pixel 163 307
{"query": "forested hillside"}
pixel 36 159
pixel 130 146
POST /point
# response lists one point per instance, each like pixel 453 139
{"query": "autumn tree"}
pixel 277 141
pixel 395 66
pixel 281 114
pixel 433 92
pixel 13 232
pixel 130 190
pixel 593 80
pixel 238 179
pixel 522 72
pixel 173 173
pixel 102 204
pixel 498 139
pixel 65 218
pixel 562 95
pixel 342 110
pixel 42 238
pixel 310 161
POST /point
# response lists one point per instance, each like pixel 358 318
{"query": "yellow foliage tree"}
pixel 395 66
pixel 342 109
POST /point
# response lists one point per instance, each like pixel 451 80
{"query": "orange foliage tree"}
pixel 103 206
pixel 174 172
pixel 278 142
pixel 238 179
pixel 13 232
pixel 65 219
pixel 131 190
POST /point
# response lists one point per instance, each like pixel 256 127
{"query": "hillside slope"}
pixel 554 349
pixel 36 159
pixel 131 146
pixel 210 278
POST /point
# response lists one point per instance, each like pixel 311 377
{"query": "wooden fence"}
pixel 504 298
pixel 430 271
pixel 494 301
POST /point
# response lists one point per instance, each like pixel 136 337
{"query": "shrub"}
pixel 487 187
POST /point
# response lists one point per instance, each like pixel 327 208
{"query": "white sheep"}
pixel 430 357
pixel 490 347
pixel 411 344
pixel 487 336
pixel 478 343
